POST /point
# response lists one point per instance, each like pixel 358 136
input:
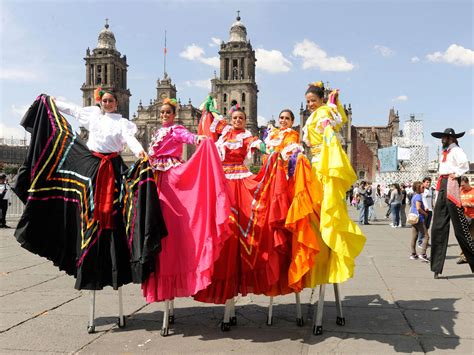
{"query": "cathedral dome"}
pixel 238 32
pixel 106 38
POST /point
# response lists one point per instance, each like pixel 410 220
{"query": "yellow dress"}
pixel 341 239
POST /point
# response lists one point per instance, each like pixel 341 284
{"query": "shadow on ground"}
pixel 402 325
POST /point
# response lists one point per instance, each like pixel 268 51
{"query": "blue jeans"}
pixel 395 210
pixel 427 225
pixel 364 213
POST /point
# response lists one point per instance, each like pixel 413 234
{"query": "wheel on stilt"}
pixel 225 327
pixel 91 329
pixel 299 322
pixel 164 332
pixel 317 329
pixel 121 322
pixel 171 319
pixel 341 321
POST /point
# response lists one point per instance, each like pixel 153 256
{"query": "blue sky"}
pixel 416 56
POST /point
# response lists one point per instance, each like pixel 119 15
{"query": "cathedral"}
pixel 106 67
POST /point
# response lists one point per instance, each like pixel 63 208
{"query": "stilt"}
pixel 171 317
pixel 121 318
pixel 166 314
pixel 270 312
pixel 91 325
pixel 225 325
pixel 340 320
pixel 233 318
pixel 318 316
pixel 299 317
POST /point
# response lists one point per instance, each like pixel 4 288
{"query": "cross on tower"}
pixel 238 15
pixel 106 23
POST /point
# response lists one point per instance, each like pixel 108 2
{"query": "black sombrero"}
pixel 447 132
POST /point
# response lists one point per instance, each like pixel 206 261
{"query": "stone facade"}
pixel 236 82
pixel 148 120
pixel 107 68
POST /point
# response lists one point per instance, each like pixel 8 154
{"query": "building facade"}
pixel 236 81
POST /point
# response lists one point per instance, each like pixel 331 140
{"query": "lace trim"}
pixel 215 122
pixel 290 149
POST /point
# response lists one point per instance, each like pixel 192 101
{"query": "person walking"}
pixel 364 207
pixel 403 213
pixel 453 164
pixel 428 203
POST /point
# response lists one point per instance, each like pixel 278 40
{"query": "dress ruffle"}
pixel 342 235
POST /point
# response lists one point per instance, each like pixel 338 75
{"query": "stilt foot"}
pixel 164 332
pixel 317 329
pixel 121 322
pixel 299 322
pixel 91 329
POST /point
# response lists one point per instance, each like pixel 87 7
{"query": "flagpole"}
pixel 164 63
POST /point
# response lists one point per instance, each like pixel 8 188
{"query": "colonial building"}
pixel 107 68
pixel 148 120
pixel 236 82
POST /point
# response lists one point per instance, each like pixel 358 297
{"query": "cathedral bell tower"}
pixel 236 82
pixel 106 67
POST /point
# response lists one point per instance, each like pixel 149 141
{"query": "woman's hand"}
pixel 199 139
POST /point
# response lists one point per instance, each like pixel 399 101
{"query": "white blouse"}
pixel 108 132
pixel 456 162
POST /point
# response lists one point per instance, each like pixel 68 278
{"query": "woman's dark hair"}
pixel 316 90
pixel 240 110
pixel 417 187
pixel 427 179
pixel 290 112
pixel 465 179
pixel 112 92
pixel 397 186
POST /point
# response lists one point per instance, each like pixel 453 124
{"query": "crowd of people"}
pixel 416 205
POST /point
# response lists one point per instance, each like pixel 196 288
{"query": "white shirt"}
pixel 456 162
pixel 3 187
pixel 108 132
pixel 428 198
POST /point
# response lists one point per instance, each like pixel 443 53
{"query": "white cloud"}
pixel 401 98
pixel 457 55
pixel 202 84
pixel 384 50
pixel 261 121
pixel 415 59
pixel 196 53
pixel 215 42
pixel 470 132
pixel 9 132
pixel 272 61
pixel 19 111
pixel 315 57
pixel 18 74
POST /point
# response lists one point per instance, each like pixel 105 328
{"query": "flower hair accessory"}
pixel 171 102
pixel 318 84
pixel 98 93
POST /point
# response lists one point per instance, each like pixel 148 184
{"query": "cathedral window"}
pixel 235 70
pixel 99 75
pixel 225 97
pixel 225 110
pixel 243 97
pixel 106 81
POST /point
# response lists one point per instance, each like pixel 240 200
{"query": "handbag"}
pixel 369 201
pixel 413 218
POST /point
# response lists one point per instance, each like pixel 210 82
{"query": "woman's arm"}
pixel 419 209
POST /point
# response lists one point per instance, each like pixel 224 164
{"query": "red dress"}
pixel 250 259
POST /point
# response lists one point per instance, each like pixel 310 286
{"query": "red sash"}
pixel 104 191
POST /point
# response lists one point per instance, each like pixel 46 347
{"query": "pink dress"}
pixel 195 206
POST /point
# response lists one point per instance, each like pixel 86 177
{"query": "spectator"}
pixel 371 203
pixel 395 205
pixel 5 192
pixel 403 214
pixel 428 198
pixel 467 201
pixel 364 208
pixel 417 207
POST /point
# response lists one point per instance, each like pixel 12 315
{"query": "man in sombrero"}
pixel 452 164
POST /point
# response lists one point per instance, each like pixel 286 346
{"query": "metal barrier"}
pixel 15 210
